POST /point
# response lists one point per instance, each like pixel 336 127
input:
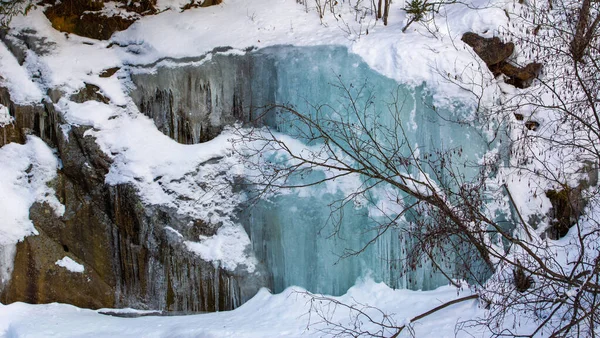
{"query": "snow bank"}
pixel 265 315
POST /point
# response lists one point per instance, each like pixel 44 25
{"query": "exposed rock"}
pixel 36 119
pixel 130 257
pixel 567 206
pixel 8 134
pixel 89 92
pixel 37 279
pixel 532 125
pixel 18 42
pixel 491 50
pixel 495 53
pixel 522 281
pixel 109 72
pixel 569 203
pixel 207 3
pixel 83 18
pixel 521 77
pixel 54 94
pixel 142 7
pixel 200 3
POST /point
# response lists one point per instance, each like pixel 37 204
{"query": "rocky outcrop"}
pixel 568 203
pixel 84 17
pixel 20 42
pixel 87 93
pixel 87 18
pixel 532 125
pixel 200 3
pixel 491 50
pixel 520 77
pixel 109 72
pixel 495 54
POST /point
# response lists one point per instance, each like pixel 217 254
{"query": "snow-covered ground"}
pixel 266 315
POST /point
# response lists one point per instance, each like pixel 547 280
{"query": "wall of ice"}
pixel 192 101
pixel 292 234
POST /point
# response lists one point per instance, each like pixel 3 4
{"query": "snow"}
pixel 17 79
pixel 229 247
pixel 175 5
pixel 5 117
pixel 265 315
pixel 69 264
pixel 24 175
pixel 89 113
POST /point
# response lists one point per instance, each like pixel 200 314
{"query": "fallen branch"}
pixel 438 308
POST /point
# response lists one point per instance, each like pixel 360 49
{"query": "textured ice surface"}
pixel 293 234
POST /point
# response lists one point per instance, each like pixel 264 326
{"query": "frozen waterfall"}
pixel 293 234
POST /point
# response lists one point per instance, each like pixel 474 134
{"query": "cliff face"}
pixel 133 253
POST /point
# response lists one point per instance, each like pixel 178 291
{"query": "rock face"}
pixel 87 93
pixel 133 254
pixel 495 53
pixel 130 256
pixel 37 278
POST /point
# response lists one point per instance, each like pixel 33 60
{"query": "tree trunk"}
pixel 584 32
pixel 386 12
